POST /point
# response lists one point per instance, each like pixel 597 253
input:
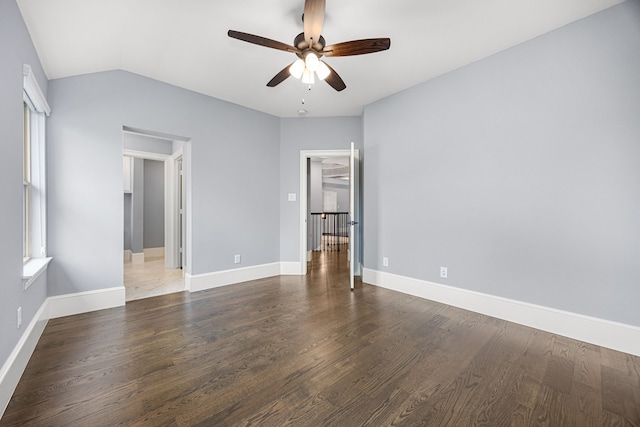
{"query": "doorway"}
pixel 155 214
pixel 330 208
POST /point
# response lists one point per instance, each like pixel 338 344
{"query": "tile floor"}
pixel 151 279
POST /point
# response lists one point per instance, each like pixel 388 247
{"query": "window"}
pixel 34 246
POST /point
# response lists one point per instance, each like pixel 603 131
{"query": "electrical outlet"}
pixel 19 317
pixel 236 259
pixel 385 262
pixel 443 272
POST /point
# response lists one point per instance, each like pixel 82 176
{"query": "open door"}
pixel 354 227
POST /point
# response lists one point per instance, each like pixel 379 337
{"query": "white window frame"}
pixel 35 181
pixel 26 183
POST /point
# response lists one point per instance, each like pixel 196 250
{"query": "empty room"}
pixel 310 212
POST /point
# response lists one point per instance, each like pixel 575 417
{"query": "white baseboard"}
pixel 605 333
pixel 137 258
pixel 127 255
pixel 290 268
pixel 16 363
pixel 153 252
pixel 82 302
pixel 200 282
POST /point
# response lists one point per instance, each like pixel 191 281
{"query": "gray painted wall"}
pixel 16 49
pixel 343 194
pixel 231 172
pixel 520 173
pixel 146 143
pixel 153 204
pixel 127 221
pixel 315 186
pixel 332 133
pixel 137 206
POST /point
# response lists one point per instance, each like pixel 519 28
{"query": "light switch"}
pixel 292 197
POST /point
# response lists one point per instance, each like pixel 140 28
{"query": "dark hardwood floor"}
pixel 306 351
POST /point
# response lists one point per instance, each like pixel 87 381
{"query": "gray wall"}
pixel 153 204
pixel 137 206
pixel 520 173
pixel 127 221
pixel 315 186
pixel 16 49
pixel 146 143
pixel 332 133
pixel 342 189
pixel 233 169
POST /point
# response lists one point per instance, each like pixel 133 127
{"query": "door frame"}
pixel 304 155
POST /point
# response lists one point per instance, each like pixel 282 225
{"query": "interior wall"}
pixel 149 144
pixel 328 133
pixel 342 191
pixel 137 206
pixel 16 49
pixel 127 221
pixel 519 172
pixel 233 169
pixel 153 233
pixel 315 186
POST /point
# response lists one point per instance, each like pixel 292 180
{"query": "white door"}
pixel 354 227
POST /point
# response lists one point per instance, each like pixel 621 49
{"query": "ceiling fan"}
pixel 309 46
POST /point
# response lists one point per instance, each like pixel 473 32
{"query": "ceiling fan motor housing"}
pixel 301 43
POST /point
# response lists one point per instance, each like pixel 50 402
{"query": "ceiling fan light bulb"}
pixel 307 77
pixel 323 71
pixel 297 68
pixel 311 61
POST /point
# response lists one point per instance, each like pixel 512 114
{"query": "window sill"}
pixel 32 269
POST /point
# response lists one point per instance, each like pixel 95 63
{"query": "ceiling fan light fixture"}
pixel 308 77
pixel 297 68
pixel 323 71
pixel 311 61
pixel 310 46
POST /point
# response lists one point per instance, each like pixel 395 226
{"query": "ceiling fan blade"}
pixel 261 41
pixel 357 47
pixel 313 20
pixel 280 77
pixel 334 80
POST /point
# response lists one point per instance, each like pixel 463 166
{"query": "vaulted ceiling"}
pixel 185 43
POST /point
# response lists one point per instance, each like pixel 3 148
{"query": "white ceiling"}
pixel 185 43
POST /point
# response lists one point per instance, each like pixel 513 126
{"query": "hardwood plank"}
pixel 559 373
pixel 617 395
pixel 552 408
pixel 587 367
